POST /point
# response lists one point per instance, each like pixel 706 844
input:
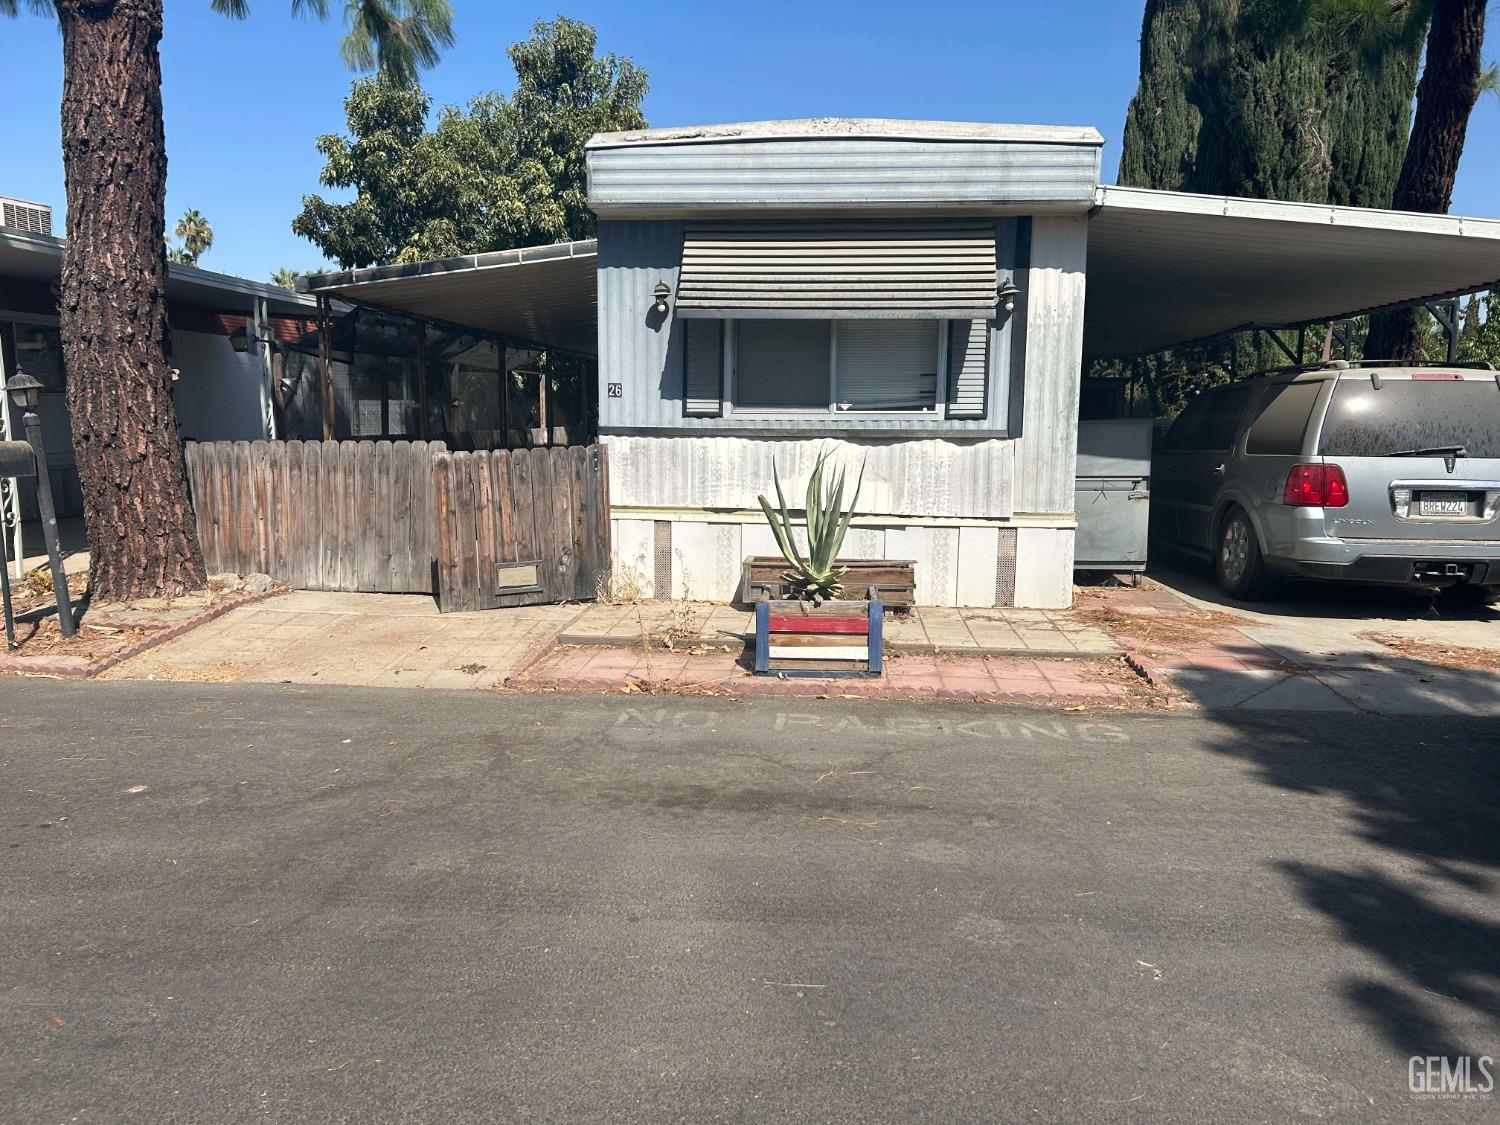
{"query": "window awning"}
pixel 940 270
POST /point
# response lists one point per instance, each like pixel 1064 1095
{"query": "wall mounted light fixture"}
pixel 661 293
pixel 1008 294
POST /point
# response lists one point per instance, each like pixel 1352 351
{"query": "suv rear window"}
pixel 1407 414
pixel 1283 419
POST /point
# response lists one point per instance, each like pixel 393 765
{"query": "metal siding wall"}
pixel 644 354
pixel 638 349
pixel 1046 449
pixel 840 172
pixel 926 478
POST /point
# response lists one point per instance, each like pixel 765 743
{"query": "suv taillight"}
pixel 1316 486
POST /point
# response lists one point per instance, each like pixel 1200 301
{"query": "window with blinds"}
pixel 886 365
pixel 782 364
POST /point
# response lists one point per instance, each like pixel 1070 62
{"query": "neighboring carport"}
pixel 543 295
pixel 1165 268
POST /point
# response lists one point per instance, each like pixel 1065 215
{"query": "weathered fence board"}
pixel 318 515
pixel 520 527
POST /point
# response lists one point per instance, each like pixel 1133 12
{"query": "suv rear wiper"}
pixel 1431 451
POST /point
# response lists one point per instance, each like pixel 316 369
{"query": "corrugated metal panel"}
pixel 545 295
pixel 1167 268
pixel 1047 445
pixel 639 350
pixel 936 268
pixel 703 367
pixel 781 364
pixel 923 478
pixel 643 353
pixel 968 367
pixel 887 365
pixel 838 173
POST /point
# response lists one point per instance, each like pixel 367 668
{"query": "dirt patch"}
pixel 1443 656
pixel 43 637
pixel 1166 628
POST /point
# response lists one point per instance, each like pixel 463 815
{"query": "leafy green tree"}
pixel 506 171
pixel 196 236
pixel 112 308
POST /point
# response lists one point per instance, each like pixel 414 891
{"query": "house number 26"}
pixel 617 390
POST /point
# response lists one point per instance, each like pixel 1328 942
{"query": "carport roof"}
pixel 540 294
pixel 1167 268
pixel 1164 268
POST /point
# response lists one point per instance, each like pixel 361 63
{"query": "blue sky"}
pixel 245 101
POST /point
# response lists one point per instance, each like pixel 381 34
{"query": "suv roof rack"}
pixel 1356 365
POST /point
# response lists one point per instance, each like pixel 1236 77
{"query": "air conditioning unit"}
pixel 23 215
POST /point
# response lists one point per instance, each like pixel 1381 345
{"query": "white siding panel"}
pixel 977 547
pixel 1044 567
pixel 1048 443
pixel 634 550
pixel 929 477
pixel 838 172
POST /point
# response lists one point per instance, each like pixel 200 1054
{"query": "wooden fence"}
pixel 521 527
pixel 351 515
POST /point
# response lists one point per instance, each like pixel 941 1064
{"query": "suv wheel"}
pixel 1238 562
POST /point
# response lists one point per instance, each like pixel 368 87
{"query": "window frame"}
pixel 730 380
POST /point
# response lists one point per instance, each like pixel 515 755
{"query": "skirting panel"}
pixel 969 565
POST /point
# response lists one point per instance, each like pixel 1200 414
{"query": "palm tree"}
pixel 112 308
pixel 197 236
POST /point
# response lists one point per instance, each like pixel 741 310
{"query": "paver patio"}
pixel 1031 633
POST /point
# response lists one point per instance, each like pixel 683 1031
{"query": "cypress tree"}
pixel 1162 125
pixel 1266 99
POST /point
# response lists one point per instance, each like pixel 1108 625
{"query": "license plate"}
pixel 1444 504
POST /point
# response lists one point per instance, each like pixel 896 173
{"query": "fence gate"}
pixel 521 527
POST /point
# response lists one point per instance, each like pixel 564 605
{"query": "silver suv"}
pixel 1372 473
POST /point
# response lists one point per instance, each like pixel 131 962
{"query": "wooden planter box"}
pixel 843 638
pixel 894 580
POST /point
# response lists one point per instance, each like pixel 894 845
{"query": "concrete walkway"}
pixel 1313 648
pixel 365 639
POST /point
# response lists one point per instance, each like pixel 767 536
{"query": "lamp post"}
pixel 26 392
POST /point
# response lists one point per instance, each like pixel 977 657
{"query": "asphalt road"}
pixel 223 904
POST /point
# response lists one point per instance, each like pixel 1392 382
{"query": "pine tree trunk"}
pixel 141 533
pixel 1445 99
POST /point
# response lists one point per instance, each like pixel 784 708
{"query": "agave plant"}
pixel 815 578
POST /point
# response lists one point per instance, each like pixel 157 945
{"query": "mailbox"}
pixel 17 459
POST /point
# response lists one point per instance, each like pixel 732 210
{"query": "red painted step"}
pixel 781 623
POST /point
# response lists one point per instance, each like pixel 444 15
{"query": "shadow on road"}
pixel 1329 600
pixel 1432 804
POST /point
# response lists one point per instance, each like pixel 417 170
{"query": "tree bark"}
pixel 142 537
pixel 1445 99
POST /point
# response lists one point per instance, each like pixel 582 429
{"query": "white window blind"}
pixel 781 364
pixel 887 365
